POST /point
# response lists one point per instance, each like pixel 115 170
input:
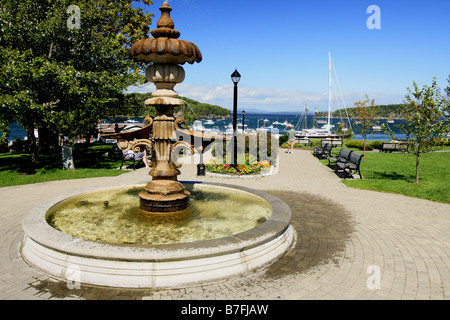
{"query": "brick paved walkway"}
pixel 344 237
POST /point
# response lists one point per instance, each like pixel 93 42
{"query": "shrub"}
pixel 315 143
pixel 19 145
pixel 4 147
pixel 283 139
pixel 359 144
pixel 445 142
pixel 263 140
pixel 296 146
pixel 377 144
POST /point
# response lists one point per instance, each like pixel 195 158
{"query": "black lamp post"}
pixel 235 77
pixel 201 166
pixel 243 121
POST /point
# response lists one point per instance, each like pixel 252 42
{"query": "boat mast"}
pixel 329 90
pixel 315 119
pixel 306 116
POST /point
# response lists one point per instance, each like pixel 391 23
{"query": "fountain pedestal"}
pixel 165 53
pixel 164 193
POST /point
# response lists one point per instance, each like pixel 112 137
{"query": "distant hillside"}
pixel 134 103
pixel 390 111
pixel 203 110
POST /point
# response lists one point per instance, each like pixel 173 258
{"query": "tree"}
pixel 448 88
pixel 424 123
pixel 344 132
pixel 60 79
pixel 364 119
pixel 447 111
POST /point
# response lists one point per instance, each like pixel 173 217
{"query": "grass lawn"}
pixel 395 172
pixel 95 160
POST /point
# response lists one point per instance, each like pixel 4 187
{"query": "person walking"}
pixel 291 140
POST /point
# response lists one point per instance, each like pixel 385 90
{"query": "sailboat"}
pixel 325 130
pixel 276 123
pixel 315 132
pixel 376 128
pixel 287 124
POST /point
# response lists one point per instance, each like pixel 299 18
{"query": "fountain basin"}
pixel 169 265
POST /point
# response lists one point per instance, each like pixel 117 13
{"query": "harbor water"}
pixel 280 121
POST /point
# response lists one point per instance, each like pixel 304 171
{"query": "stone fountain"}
pixel 75 258
pixel 165 53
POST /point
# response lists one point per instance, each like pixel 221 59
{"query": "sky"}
pixel 280 48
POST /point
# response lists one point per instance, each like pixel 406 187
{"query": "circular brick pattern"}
pixel 406 238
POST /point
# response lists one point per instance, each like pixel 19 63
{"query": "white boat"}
pixel 229 128
pixel 287 124
pixel 198 126
pixel 240 129
pixel 276 123
pixel 376 128
pixel 262 129
pixel 209 121
pixel 325 130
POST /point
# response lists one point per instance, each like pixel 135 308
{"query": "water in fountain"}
pixel 114 216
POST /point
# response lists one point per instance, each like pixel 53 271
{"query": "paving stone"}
pixel 341 231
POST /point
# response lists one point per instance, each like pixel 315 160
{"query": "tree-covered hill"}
pixel 390 111
pixel 134 105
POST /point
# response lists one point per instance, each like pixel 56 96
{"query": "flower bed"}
pixel 240 169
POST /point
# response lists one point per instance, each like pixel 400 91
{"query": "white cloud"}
pixel 145 88
pixel 274 100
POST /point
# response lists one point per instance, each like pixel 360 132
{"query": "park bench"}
pixel 333 142
pixel 320 149
pixel 323 152
pixel 132 158
pixel 128 157
pixel 352 165
pixel 344 156
pixel 393 146
pixel 304 141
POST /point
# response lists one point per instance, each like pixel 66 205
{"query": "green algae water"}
pixel 113 216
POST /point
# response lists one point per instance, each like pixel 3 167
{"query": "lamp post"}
pixel 243 121
pixel 235 77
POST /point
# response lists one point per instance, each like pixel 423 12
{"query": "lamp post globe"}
pixel 235 77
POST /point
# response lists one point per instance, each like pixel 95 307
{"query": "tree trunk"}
pixel 67 156
pixel 32 147
pixel 364 152
pixel 417 167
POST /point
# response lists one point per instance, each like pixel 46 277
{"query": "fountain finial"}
pixel 165 24
pixel 165 47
